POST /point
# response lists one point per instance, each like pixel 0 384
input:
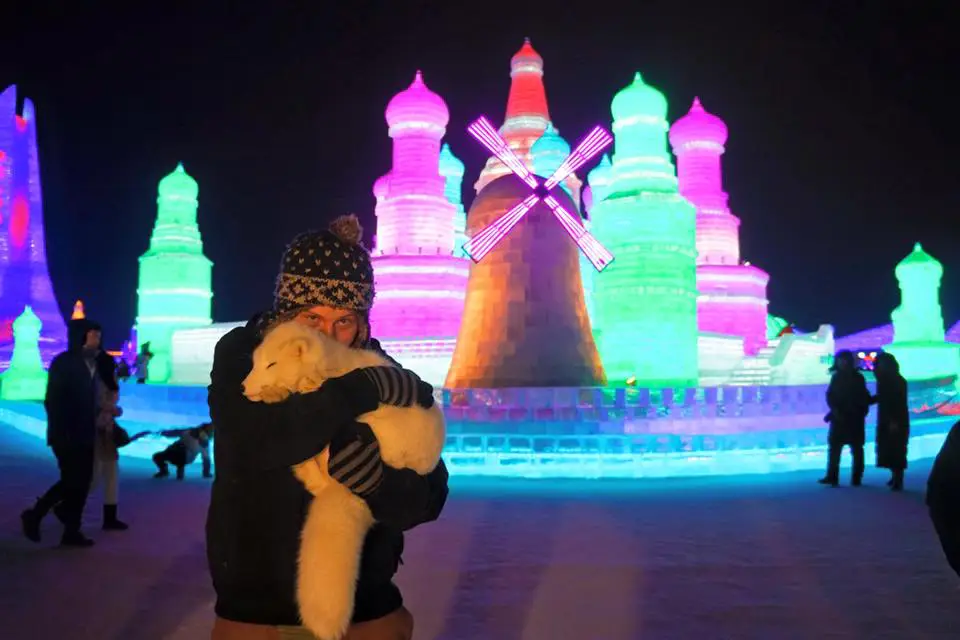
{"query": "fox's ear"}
pixel 297 348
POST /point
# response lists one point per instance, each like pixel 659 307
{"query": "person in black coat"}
pixel 893 419
pixel 71 405
pixel 258 507
pixel 943 497
pixel 849 403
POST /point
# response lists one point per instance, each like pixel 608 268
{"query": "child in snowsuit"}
pixel 190 443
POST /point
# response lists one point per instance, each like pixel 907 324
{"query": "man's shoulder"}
pixel 62 358
pixel 237 340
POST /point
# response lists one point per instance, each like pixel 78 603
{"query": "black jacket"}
pixel 258 507
pixel 893 422
pixel 943 497
pixel 849 402
pixel 70 399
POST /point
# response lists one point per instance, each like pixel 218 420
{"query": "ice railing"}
pixel 613 433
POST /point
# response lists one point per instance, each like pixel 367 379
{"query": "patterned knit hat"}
pixel 326 268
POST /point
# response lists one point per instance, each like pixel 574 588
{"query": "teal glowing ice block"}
pixel 918 331
pixel 175 290
pixel 26 378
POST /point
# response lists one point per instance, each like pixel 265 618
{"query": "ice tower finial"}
pixel 528 98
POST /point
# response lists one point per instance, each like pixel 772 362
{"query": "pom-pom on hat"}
pixel 328 268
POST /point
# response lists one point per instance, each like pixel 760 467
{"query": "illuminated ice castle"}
pixel 174 291
pixel 420 281
pixel 24 279
pixel 676 308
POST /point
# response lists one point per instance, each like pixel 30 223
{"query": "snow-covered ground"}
pixel 766 557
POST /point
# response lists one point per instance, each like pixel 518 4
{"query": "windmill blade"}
pixel 595 142
pixel 595 252
pixel 481 244
pixel 483 131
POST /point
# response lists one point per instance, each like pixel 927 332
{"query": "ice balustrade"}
pixel 593 432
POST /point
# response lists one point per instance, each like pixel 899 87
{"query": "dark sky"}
pixel 842 150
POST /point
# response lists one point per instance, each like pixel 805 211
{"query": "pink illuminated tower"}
pixel 420 284
pixel 732 295
pixel 24 279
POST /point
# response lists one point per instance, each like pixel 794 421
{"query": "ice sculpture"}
pixel 26 378
pixel 451 168
pixel 175 289
pixel 420 282
pixel 24 278
pixel 918 330
pixel 732 297
pixel 645 303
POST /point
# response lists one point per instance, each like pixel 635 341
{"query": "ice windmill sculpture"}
pixel 483 242
pixel 525 320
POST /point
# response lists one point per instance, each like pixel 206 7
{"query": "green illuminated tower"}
pixel 174 291
pixel 26 378
pixel 918 333
pixel 645 302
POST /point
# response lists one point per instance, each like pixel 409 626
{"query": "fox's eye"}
pixel 271 364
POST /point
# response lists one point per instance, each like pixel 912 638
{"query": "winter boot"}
pixel 30 522
pixel 75 539
pixel 180 471
pixel 896 482
pixel 30 519
pixel 110 520
pixel 833 482
pixel 163 470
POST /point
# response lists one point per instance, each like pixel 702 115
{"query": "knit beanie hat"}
pixel 328 268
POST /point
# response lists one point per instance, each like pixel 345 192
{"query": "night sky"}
pixel 842 149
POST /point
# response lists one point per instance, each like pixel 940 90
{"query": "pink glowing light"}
pixel 484 242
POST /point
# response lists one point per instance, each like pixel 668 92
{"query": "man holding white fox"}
pixel 259 507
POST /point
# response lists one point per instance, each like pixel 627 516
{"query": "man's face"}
pixel 92 340
pixel 340 324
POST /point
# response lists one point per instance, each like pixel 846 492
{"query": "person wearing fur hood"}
pixel 258 507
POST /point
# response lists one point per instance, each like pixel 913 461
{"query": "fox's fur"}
pixel 296 359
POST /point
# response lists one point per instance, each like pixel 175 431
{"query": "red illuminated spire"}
pixel 527 99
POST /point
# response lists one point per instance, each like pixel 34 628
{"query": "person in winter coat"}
pixel 106 462
pixel 943 497
pixel 258 507
pixel 190 443
pixel 71 405
pixel 893 419
pixel 849 402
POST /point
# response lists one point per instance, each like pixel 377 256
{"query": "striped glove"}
pixel 400 387
pixel 355 460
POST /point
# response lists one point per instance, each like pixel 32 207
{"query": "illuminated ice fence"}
pixel 594 433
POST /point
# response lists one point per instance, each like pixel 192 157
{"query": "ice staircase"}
pixel 755 370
